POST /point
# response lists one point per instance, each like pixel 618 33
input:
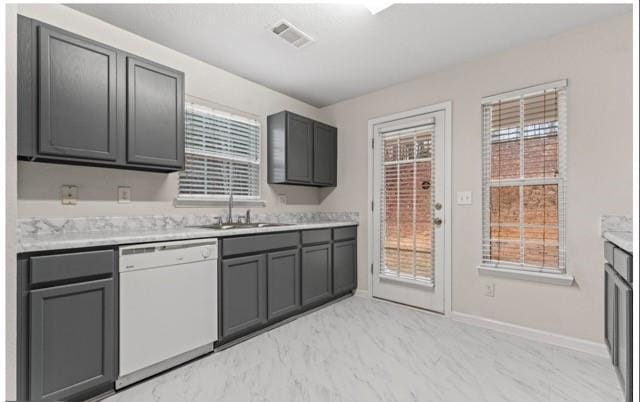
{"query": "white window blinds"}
pixel 524 173
pixel 222 155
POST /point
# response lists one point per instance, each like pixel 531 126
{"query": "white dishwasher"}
pixel 168 306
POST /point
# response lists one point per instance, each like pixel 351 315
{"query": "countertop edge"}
pixel 624 240
pixel 32 244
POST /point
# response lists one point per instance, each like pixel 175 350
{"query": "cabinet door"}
pixel 244 303
pixel 283 276
pixel 609 310
pixel 155 114
pixel 299 149
pixel 72 339
pixel 316 273
pixel 77 97
pixel 324 154
pixel 623 334
pixel 344 266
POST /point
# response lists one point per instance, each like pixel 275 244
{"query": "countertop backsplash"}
pixel 44 226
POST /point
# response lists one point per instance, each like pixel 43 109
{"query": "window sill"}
pixel 208 202
pixel 533 276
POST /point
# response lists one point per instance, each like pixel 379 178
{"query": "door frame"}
pixel 372 123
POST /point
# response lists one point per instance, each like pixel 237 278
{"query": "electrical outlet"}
pixel 124 195
pixel 464 198
pixel 69 195
pixel 489 289
pixel 282 199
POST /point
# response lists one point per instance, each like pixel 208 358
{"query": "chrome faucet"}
pixel 229 217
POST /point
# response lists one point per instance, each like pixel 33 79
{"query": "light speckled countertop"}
pixel 618 230
pixel 69 240
pixel 624 240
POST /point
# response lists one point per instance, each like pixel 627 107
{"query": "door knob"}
pixel 437 221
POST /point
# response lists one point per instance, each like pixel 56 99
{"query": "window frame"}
pixel 202 200
pixel 521 270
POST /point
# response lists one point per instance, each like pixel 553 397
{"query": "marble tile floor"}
pixel 364 350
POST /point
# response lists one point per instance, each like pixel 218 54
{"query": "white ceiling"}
pixel 355 52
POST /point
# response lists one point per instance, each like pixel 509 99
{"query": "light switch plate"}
pixel 69 195
pixel 489 289
pixel 464 198
pixel 124 195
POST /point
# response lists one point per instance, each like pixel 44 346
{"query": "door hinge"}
pixel 372 142
pixel 371 268
pixel 371 206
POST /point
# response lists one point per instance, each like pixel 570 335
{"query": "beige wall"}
pixel 11 126
pixel 152 193
pixel 597 61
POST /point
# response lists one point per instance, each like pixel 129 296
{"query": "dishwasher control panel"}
pixel 152 255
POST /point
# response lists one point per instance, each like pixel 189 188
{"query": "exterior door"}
pixel 408 213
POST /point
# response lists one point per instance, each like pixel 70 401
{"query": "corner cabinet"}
pixel 67 325
pixel 301 151
pixel 618 313
pixel 83 102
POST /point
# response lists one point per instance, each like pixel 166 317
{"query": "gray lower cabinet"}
pixel 67 320
pixel 344 266
pixel 623 335
pixel 316 273
pixel 618 314
pixel 244 297
pixel 283 277
pixel 72 339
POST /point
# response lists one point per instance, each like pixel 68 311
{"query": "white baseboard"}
pixel 594 348
pixel 362 293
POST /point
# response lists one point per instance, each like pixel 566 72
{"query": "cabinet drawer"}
pixel 623 264
pixel 316 236
pixel 60 267
pixel 346 233
pixel 259 243
pixel 608 252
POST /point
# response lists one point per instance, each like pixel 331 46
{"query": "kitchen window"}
pixel 524 173
pixel 222 157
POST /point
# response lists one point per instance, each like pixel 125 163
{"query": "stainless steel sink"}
pixel 228 226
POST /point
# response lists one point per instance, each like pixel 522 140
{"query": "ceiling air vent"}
pixel 287 31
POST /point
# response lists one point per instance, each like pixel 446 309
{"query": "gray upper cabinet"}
pixel 82 102
pixel 324 154
pixel 244 303
pixel 301 151
pixel 316 273
pixel 155 114
pixel 72 341
pixel 77 97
